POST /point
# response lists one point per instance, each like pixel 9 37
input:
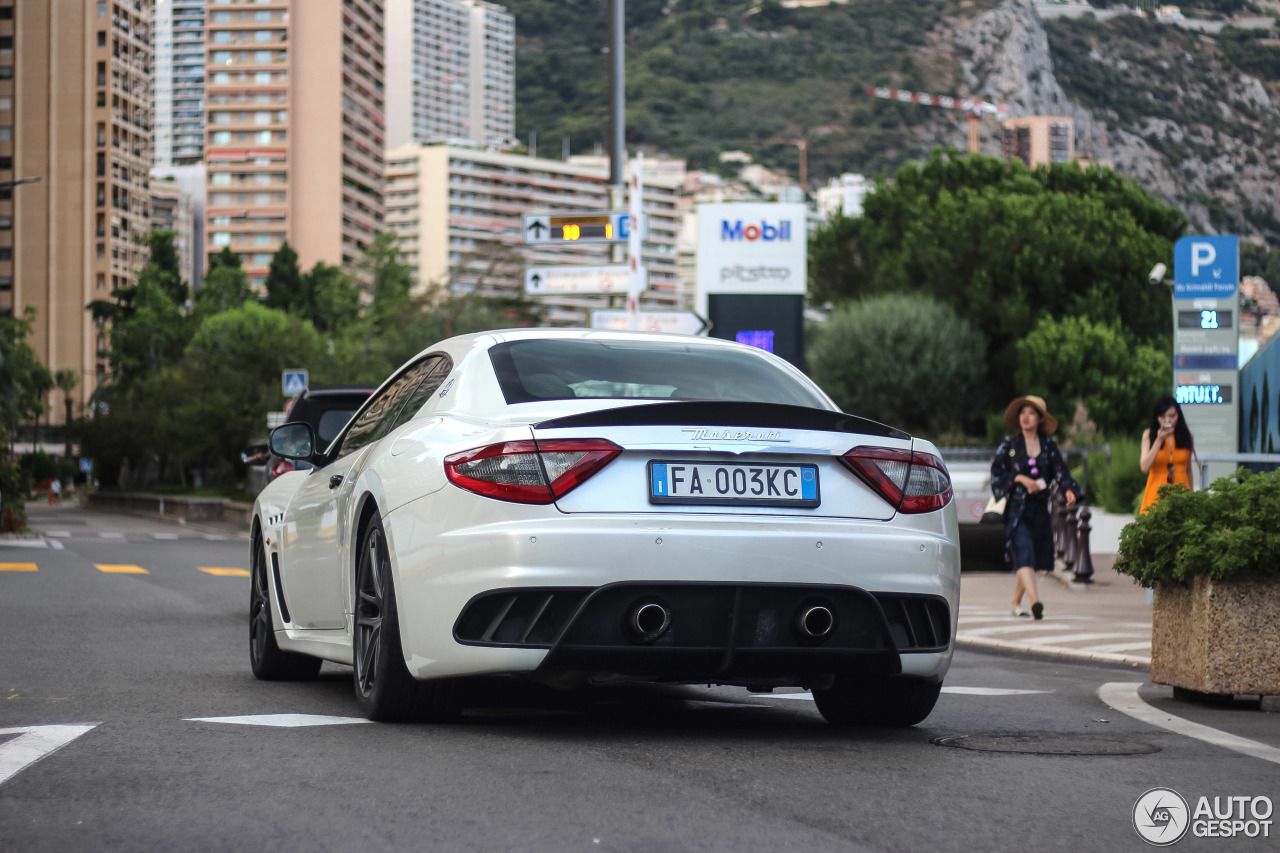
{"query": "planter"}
pixel 1217 637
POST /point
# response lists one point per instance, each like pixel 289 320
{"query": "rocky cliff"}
pixel 1171 108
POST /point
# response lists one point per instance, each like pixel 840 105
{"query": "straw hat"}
pixel 1048 422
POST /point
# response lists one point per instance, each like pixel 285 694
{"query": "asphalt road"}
pixel 627 768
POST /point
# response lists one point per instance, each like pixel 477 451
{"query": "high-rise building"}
pixel 450 72
pixel 75 100
pixel 458 215
pixel 1039 140
pixel 178 42
pixel 294 129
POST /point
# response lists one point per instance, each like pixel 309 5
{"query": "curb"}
pixel 1053 651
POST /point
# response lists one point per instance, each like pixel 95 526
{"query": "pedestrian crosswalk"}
pixel 130 569
pixel 136 537
pixel 1093 637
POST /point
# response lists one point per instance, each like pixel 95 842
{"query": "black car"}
pixel 327 410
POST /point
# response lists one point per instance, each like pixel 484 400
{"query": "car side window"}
pixel 442 367
pixel 378 417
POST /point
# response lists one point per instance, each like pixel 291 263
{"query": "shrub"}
pixel 907 361
pixel 1225 532
pixel 1117 487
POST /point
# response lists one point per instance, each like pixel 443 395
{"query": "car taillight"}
pixel 531 472
pixel 280 466
pixel 910 480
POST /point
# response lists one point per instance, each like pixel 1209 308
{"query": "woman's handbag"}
pixel 993 513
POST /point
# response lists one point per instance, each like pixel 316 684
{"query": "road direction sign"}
pixel 593 226
pixel 293 382
pixel 671 322
pixel 578 279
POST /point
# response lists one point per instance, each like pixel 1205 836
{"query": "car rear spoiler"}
pixel 727 414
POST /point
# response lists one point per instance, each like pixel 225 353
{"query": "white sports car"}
pixel 577 506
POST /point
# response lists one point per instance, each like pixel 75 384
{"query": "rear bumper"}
pixel 441 565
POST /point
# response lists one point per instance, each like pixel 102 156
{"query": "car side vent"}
pixel 919 623
pixel 275 575
pixel 515 618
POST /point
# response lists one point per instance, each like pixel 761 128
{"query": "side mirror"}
pixel 255 455
pixel 293 441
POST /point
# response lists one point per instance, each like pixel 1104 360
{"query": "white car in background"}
pixel 576 506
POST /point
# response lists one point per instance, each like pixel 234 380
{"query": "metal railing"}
pixel 1238 458
pixel 1071 525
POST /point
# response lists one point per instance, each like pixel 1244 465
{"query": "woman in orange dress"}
pixel 1167 448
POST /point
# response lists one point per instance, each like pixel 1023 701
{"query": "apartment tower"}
pixel 457 212
pixel 1039 140
pixel 450 72
pixel 294 130
pixel 75 96
pixel 179 82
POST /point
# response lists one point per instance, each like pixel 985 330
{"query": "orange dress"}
pixel 1158 476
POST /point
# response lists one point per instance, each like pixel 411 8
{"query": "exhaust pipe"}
pixel 814 623
pixel 646 621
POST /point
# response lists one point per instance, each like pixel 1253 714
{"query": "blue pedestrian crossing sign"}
pixel 294 382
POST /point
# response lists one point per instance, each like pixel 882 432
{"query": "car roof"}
pixel 484 340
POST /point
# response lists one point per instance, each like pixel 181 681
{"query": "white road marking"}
pixel 57 546
pixel 28 543
pixel 283 720
pixel 786 695
pixel 1080 638
pixel 215 537
pixel 111 535
pixel 1024 625
pixel 1123 697
pixel 60 534
pixel 1121 647
pixel 32 744
pixel 164 536
pixel 1009 617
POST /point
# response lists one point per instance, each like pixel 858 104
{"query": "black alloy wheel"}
pixel 268 661
pixel 384 688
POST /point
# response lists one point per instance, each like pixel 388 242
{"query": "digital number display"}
pixel 581 228
pixel 1212 394
pixel 1205 319
pixel 758 338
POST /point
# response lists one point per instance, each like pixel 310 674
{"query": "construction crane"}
pixel 975 107
pixel 801 144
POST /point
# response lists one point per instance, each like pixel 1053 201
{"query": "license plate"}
pixel 733 484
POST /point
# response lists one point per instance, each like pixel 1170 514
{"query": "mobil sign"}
pixel 752 248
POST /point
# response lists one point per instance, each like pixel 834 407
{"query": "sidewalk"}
pixel 1107 620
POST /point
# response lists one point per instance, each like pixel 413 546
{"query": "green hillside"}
pixel 710 73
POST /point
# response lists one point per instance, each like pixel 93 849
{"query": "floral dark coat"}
pixel 1011 460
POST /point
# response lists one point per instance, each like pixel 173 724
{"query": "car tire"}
pixel 887 701
pixel 268 661
pixel 385 690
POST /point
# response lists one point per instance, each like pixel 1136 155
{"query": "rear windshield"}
pixel 534 370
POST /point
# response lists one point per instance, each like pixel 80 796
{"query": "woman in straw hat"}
pixel 1026 463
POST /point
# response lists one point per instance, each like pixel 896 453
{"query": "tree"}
pixel 1004 246
pixel 1116 378
pixel 905 360
pixel 284 285
pixel 392 278
pixel 67 380
pixel 332 301
pixel 230 378
pixel 226 286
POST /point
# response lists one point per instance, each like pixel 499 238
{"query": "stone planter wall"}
pixel 1218 637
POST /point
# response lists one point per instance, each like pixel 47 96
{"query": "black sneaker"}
pixel 1037 610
